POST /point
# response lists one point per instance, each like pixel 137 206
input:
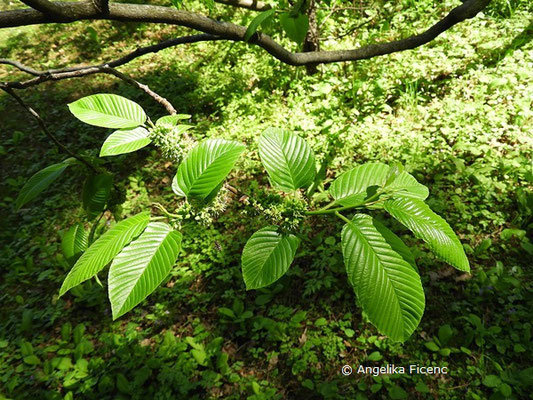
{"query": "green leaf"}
pixel 295 27
pixel 396 243
pixel 492 381
pixel 101 252
pixel 267 256
pixel 288 159
pixel 432 346
pixel 95 193
pixel 388 288
pixel 141 266
pixel 75 241
pixel 108 111
pixel 431 228
pixel 40 181
pixel 258 20
pixel 125 141
pixel 205 167
pixel 354 186
pixel 172 119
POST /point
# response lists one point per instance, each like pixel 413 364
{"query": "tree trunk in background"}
pixel 311 42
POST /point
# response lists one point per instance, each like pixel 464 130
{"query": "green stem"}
pixel 93 228
pixel 342 217
pixel 164 210
pixel 326 209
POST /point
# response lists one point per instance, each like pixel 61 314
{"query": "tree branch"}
pixel 43 127
pixel 78 72
pixel 46 7
pixel 76 11
pixel 161 100
pixel 254 5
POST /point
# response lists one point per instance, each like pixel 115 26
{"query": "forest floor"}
pixel 457 113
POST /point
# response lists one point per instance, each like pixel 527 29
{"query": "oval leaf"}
pixel 431 228
pixel 258 20
pixel 125 141
pixel 101 252
pixel 75 241
pixel 288 159
pixel 172 119
pixel 388 288
pixel 205 167
pixel 141 266
pixel 95 194
pixel 108 111
pixel 295 27
pixel 267 256
pixel 40 181
pixel 354 186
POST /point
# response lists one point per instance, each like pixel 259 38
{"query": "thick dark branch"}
pixel 42 125
pixel 146 13
pixel 254 5
pixel 46 7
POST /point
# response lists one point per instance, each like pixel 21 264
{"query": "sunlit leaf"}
pixel 388 287
pixel 288 159
pixel 108 111
pixel 205 167
pixel 103 250
pixel 125 141
pixel 431 228
pixel 141 266
pixel 267 256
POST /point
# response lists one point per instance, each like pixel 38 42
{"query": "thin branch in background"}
pixel 76 72
pixel 160 99
pixel 43 76
pixel 43 127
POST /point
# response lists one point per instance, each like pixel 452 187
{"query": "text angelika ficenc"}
pixel 411 369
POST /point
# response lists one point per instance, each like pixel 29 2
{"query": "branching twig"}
pixel 161 100
pixel 43 76
pixel 76 72
pixel 77 11
pixel 42 125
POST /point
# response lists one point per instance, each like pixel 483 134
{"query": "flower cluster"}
pixel 286 211
pixel 171 140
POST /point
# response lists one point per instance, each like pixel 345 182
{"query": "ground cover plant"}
pixel 457 119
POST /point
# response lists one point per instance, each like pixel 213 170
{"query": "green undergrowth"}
pixel 457 113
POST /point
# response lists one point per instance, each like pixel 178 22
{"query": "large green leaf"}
pixel 431 228
pixel 288 159
pixel 101 252
pixel 75 241
pixel 356 185
pixel 125 141
pixel 95 193
pixel 205 167
pixel 267 256
pixel 40 181
pixel 388 287
pixel 108 111
pixel 258 20
pixel 396 243
pixel 295 27
pixel 141 266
